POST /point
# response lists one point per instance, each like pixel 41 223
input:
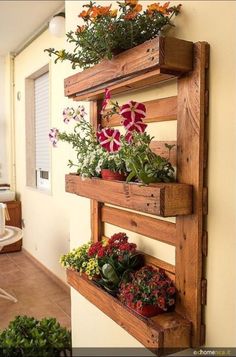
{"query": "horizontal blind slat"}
pixel 41 91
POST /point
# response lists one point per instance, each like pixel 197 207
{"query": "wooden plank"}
pixel 153 333
pixel 167 54
pixel 138 223
pixel 160 149
pixel 190 138
pixel 157 110
pixel 95 206
pixel 121 86
pixel 159 199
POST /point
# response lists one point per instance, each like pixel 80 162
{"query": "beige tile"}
pixel 37 294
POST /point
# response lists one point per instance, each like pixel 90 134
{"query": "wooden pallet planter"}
pixel 154 61
pixel 160 199
pixel 168 330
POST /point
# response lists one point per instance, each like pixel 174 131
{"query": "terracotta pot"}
pixel 108 174
pixel 149 310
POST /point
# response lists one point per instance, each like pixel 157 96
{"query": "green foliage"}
pixel 91 157
pixel 29 337
pixel 106 31
pixel 144 164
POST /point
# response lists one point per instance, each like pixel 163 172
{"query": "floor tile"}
pixel 37 294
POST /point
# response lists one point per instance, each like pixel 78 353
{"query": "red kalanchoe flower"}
pixel 106 99
pixel 109 139
pixel 133 111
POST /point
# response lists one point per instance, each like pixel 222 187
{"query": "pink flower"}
pixel 109 139
pixel 129 137
pixel 133 111
pixel 106 99
pixel 68 114
pixel 79 113
pixel 133 125
pixel 53 136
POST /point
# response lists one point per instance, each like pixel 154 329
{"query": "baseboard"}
pixel 48 272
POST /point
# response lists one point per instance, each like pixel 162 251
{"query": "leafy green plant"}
pixel 143 163
pixel 106 32
pixel 26 336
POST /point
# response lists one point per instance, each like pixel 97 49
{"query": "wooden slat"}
pixel 160 199
pixel 160 149
pixel 121 86
pixel 157 110
pixel 169 55
pixel 138 223
pixel 190 137
pixel 153 333
pixel 95 206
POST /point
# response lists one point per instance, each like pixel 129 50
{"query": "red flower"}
pixel 106 99
pixel 129 137
pixel 133 111
pixel 161 302
pixel 109 139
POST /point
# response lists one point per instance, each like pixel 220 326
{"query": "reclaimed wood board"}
pixel 160 199
pixel 154 333
pixel 170 56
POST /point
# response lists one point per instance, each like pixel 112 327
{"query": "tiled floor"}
pixel 37 294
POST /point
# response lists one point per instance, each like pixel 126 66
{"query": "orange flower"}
pixel 138 8
pixel 85 14
pixel 113 13
pixel 131 2
pixel 100 11
pixel 131 15
pixel 158 7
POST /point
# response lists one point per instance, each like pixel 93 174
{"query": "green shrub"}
pixel 26 336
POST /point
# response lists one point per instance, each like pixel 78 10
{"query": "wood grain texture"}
pixel 95 206
pixel 157 110
pixel 190 138
pixel 159 199
pixel 160 149
pixel 153 228
pixel 170 56
pixel 162 331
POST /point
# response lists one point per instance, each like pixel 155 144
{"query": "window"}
pixel 38 160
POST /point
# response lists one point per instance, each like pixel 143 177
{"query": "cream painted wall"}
pixel 51 220
pixel 3 125
pixel 199 22
pixel 46 215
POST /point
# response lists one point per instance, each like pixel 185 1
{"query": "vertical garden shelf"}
pixel 155 61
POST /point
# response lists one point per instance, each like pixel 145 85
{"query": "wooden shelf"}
pixel 160 199
pixel 157 60
pixel 168 330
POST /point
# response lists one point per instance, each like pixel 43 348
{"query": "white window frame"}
pixel 34 175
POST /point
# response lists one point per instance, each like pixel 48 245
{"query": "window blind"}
pixel 41 99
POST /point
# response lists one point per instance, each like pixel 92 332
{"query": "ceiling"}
pixel 20 20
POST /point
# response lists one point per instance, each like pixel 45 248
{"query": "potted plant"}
pixel 106 31
pixel 149 292
pixel 125 155
pixel 26 336
pixel 107 262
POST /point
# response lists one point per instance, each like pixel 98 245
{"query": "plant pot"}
pixel 108 174
pixel 149 310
